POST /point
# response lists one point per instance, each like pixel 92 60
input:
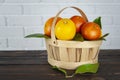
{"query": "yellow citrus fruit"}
pixel 65 29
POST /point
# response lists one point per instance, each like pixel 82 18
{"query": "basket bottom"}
pixel 69 65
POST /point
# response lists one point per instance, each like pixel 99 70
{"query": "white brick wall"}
pixel 3 43
pixel 59 1
pixel 1 1
pixel 6 32
pixel 10 9
pixel 23 20
pixel 2 21
pixel 40 9
pixel 22 1
pixel 25 44
pixel 22 17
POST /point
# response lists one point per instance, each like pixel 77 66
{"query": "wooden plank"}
pixel 32 65
pixel 23 57
pixel 84 55
pixel 33 72
pixel 63 54
pixel 72 54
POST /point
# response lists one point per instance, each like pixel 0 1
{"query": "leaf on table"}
pixel 98 21
pixel 59 69
pixel 91 68
pixel 37 35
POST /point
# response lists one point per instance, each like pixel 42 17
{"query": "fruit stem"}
pixel 65 22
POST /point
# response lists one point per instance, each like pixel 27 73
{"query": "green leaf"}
pixel 61 70
pixel 78 37
pixel 98 21
pixel 103 37
pixel 92 68
pixel 37 35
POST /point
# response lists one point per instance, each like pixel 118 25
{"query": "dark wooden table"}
pixel 32 65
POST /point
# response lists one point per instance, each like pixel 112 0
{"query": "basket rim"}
pixel 74 40
pixel 75 44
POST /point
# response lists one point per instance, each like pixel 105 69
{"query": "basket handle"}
pixel 54 41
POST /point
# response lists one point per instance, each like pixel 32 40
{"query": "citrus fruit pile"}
pixel 74 28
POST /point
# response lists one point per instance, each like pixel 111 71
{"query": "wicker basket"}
pixel 71 54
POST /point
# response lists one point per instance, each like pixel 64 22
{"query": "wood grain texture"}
pixel 33 65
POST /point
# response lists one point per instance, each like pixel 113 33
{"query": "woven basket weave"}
pixel 71 54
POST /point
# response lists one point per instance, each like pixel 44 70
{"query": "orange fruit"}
pixel 79 21
pixel 48 25
pixel 65 29
pixel 91 31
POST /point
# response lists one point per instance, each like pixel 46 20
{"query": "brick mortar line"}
pixel 44 15
pixel 5 21
pixel 22 15
pixel 22 9
pixel 117 26
pixel 7 43
pixel 24 32
pixel 64 3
